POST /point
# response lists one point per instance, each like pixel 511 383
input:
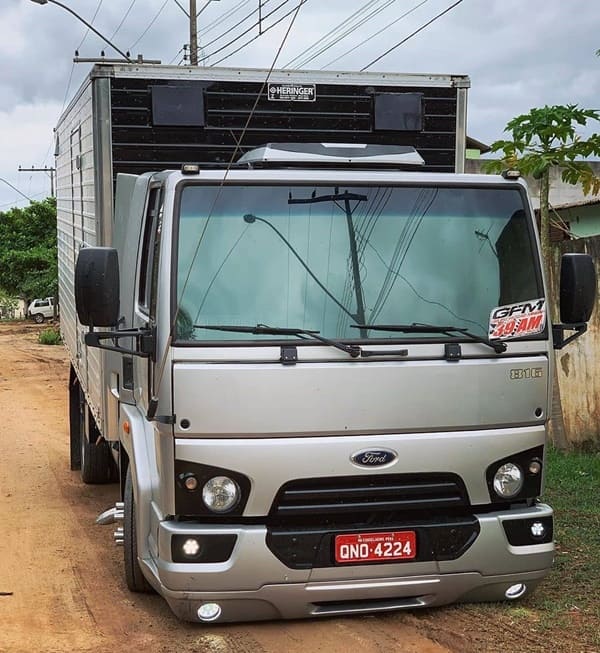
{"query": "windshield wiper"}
pixel 497 345
pixel 262 329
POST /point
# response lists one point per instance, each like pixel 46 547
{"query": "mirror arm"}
pixel 558 333
pixel 144 340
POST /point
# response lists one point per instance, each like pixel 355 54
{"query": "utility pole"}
pixel 193 34
pixel 193 16
pixel 49 171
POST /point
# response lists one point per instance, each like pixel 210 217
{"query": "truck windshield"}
pixel 325 259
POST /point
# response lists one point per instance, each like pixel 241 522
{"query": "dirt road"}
pixel 61 581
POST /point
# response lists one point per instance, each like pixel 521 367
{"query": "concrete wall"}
pixel 583 220
pixel 578 364
pixel 560 193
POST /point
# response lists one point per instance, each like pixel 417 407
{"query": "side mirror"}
pixel 97 287
pixel 577 288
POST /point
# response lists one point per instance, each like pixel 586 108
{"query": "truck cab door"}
pixel 147 289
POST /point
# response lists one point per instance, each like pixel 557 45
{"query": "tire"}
pixel 38 318
pixel 88 451
pixel 134 578
pixel 96 461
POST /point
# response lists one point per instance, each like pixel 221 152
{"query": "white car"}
pixel 41 309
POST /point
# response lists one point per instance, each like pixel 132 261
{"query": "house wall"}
pixel 578 364
pixel 583 221
pixel 560 192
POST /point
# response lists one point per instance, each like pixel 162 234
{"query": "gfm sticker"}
pixel 518 320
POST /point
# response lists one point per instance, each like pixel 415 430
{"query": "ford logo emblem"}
pixel 374 457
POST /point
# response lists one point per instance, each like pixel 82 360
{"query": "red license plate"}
pixel 375 547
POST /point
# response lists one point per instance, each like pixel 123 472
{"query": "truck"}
pixel 316 356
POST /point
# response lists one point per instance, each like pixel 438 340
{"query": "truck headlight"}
pixel 221 494
pixel 508 481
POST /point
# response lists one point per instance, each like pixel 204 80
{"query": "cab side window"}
pixel 150 253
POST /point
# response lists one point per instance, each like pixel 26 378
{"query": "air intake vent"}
pixel 369 494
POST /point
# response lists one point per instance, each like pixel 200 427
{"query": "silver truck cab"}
pixel 330 386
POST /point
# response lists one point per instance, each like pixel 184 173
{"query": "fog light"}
pixel 209 611
pixel 508 481
pixel 221 494
pixel 535 467
pixel 538 530
pixel 515 591
pixel 191 547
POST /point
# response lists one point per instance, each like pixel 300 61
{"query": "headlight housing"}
pixel 508 481
pixel 516 478
pixel 221 494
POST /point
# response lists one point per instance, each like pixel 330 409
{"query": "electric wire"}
pixel 342 36
pixel 209 27
pixel 215 23
pixel 404 40
pixel 175 57
pixel 264 31
pixel 87 31
pixel 123 20
pixel 158 13
pixel 218 38
pixel 401 251
pixel 383 29
pixel 291 62
pixel 418 294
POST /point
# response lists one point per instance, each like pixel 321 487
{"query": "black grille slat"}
pixel 306 495
pixel 373 506
pixel 371 494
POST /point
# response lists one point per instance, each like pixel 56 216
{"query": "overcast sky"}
pixel 519 54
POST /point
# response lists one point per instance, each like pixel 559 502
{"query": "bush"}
pixel 50 336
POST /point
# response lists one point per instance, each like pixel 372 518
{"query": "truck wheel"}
pixel 136 581
pixel 89 453
pixel 96 463
pixel 38 318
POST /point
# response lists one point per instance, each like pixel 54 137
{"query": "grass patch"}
pixel 573 490
pixel 49 336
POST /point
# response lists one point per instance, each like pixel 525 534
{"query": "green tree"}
pixel 547 138
pixel 28 264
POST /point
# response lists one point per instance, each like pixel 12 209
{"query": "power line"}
pixel 346 33
pixel 175 57
pixel 123 19
pixel 158 13
pixel 331 32
pixel 383 29
pixel 206 45
pixel 16 189
pixel 266 29
pixel 381 56
pixel 220 19
pixel 87 31
pixel 227 14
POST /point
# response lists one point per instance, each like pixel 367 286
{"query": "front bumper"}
pixel 253 584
